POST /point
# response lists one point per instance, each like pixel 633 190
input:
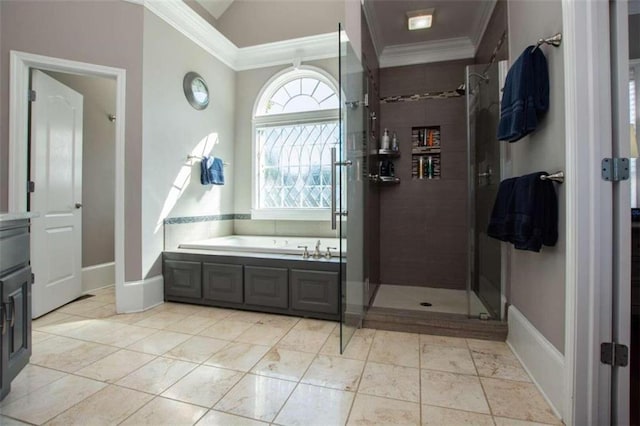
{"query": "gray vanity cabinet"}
pixel 16 325
pixel 222 282
pixel 15 300
pixel 183 279
pixel 315 291
pixel 264 286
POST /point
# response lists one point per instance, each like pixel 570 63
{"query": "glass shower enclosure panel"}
pixel 485 169
pixel 350 169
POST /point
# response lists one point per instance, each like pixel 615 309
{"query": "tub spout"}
pixel 316 252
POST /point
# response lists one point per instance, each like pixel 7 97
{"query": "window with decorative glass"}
pixel 295 126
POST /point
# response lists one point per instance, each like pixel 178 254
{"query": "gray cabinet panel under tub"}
pixel 184 279
pixel 222 282
pixel 283 284
pixel 266 286
pixel 315 291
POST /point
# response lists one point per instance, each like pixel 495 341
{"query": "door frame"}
pixel 20 65
pixel 589 264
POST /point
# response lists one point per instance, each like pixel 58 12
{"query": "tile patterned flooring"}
pixel 182 365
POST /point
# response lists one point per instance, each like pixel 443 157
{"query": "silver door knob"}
pixel 78 205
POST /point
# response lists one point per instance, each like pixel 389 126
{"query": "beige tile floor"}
pixel 182 365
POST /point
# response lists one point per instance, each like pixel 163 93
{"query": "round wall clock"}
pixel 196 90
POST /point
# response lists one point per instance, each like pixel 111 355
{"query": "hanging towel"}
pixel 525 98
pixel 499 225
pixel 525 213
pixel 535 213
pixel 205 165
pixel 216 172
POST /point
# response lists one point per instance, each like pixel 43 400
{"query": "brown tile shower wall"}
pixel 423 223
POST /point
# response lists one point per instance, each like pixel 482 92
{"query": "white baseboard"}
pixel 138 296
pixel 98 276
pixel 543 362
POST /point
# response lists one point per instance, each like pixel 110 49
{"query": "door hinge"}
pixel 31 186
pixel 33 278
pixel 614 354
pixel 32 95
pixel 615 169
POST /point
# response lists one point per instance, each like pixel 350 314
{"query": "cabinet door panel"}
pixel 183 279
pixel 16 300
pixel 315 291
pixel 222 282
pixel 266 286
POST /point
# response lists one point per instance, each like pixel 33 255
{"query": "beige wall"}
pixel 98 158
pixel 251 22
pixel 537 282
pixel 99 32
pixel 173 129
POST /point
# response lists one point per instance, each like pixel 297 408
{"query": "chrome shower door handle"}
pixel 333 189
pixel 334 165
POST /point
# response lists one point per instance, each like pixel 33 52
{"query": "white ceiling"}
pixel 215 7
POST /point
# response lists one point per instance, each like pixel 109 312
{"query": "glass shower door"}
pixel 350 169
pixel 485 262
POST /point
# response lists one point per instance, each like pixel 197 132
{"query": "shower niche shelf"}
pixel 425 144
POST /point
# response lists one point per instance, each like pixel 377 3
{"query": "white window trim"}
pixel 301 214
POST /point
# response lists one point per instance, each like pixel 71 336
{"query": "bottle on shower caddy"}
pixel 386 140
pixel 394 142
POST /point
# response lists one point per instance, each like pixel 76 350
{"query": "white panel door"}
pixel 56 169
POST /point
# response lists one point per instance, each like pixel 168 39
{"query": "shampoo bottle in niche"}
pixel 386 141
pixel 394 142
pixel 430 167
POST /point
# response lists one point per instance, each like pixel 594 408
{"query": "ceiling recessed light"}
pixel 419 19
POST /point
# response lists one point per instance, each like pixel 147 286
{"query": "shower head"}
pixel 462 89
pixel 482 77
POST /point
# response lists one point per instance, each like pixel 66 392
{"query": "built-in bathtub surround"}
pixel 177 230
pixel 293 228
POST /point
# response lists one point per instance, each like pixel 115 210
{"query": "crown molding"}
pixel 321 46
pixel 431 51
pixel 186 21
pixel 482 22
pixel 370 14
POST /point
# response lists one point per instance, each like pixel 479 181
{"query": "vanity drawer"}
pixel 14 245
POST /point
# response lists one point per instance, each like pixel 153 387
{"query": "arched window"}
pixel 296 125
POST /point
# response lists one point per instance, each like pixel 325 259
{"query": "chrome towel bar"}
pixel 556 177
pixel 555 40
pixel 199 157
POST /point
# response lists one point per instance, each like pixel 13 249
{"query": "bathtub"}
pixel 267 244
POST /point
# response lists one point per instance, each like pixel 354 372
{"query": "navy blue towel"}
pixel 499 225
pixel 205 165
pixel 525 98
pixel 211 171
pixel 526 213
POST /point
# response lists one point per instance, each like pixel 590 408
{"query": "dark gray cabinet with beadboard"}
pixel 276 284
pixel 15 304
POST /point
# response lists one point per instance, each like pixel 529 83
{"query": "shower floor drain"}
pixel 425 304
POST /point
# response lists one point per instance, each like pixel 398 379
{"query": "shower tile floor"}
pixel 182 365
pixel 442 299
